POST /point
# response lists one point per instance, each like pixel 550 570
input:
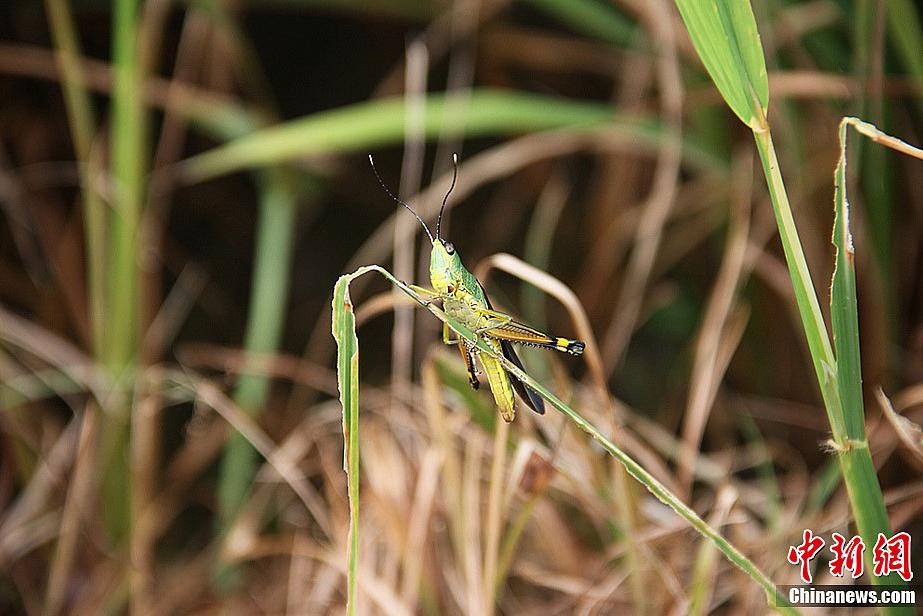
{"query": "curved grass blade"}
pixel 344 332
pixel 348 374
pixel 370 124
pixel 853 452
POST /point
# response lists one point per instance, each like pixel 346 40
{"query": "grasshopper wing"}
pixel 528 395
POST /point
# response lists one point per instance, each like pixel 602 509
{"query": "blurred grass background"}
pixel 182 183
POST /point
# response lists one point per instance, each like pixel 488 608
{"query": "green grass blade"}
pixel 128 164
pixel 266 318
pixel 855 458
pixel 347 368
pixel 725 35
pixel 371 124
pixel 344 332
pixel 122 336
pixel 844 311
pixel 766 472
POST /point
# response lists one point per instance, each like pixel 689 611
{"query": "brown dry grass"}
pixel 700 371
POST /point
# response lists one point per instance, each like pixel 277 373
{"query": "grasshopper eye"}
pixel 449 247
pixel 450 288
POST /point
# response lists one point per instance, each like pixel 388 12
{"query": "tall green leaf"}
pixel 725 35
pixel 268 300
pixel 844 311
pixel 344 332
pixel 855 458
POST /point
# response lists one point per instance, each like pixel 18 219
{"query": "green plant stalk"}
pixel 725 35
pixel 848 430
pixel 826 481
pixel 120 346
pixel 537 251
pixel 661 492
pixel 268 301
pixel 347 368
pixel 627 507
pixel 805 296
pixel 128 160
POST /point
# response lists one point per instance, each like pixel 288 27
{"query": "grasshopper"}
pixel 463 298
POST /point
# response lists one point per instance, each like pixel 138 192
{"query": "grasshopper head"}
pixel 445 267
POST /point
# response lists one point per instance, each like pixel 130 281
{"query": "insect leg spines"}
pixel 520 333
pixel 467 353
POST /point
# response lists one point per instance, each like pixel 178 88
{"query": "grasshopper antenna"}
pixel 446 198
pixel 390 194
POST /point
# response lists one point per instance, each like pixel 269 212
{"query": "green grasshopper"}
pixel 463 298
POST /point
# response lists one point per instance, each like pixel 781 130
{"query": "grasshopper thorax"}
pixel 445 267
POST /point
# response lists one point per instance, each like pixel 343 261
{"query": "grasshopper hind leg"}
pixel 467 353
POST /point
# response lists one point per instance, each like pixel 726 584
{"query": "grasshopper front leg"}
pixel 447 336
